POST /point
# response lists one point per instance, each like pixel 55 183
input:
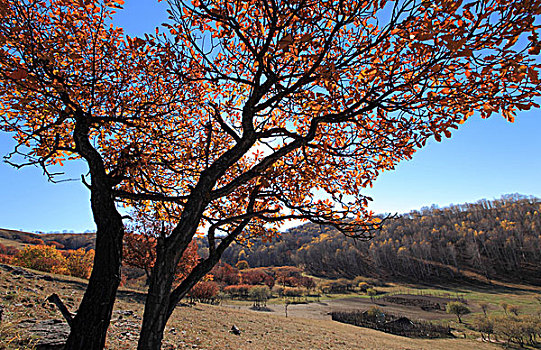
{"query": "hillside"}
pixel 488 240
pixel 497 240
pixel 200 326
pixel 13 238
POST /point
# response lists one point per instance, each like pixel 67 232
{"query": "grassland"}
pixel 207 327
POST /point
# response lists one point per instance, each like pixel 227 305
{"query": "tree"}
pixel 260 295
pixel 483 325
pixel 204 291
pixel 371 292
pixel 249 113
pixel 457 308
pixel 75 88
pixel 323 95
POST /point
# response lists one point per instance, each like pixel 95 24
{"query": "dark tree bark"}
pixel 161 299
pixel 90 324
pixel 92 320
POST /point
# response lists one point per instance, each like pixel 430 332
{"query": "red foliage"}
pixel 140 251
pixel 35 241
pixel 5 259
pixel 225 274
pixel 5 250
pixel 257 276
pixel 55 244
pixel 288 275
pixel 204 291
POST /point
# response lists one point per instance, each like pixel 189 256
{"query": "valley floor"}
pixel 22 295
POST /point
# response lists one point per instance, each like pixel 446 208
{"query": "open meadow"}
pixel 201 326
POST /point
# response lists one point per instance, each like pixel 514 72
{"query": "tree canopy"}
pixel 246 113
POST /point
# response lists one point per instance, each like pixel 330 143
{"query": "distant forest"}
pixel 498 239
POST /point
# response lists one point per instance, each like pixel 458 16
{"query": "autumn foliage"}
pixel 77 263
pixel 204 291
pixel 249 113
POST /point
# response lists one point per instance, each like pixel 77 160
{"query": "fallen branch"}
pixel 55 299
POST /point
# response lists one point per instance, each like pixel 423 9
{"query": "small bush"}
pixel 79 263
pixel 483 325
pixel 40 257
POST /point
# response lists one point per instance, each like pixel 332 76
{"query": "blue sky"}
pixel 483 159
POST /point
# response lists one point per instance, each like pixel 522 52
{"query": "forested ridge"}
pixel 496 239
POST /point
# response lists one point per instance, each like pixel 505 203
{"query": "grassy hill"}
pixel 17 239
pixel 22 294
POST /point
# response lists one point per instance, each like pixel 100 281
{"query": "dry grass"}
pixel 200 326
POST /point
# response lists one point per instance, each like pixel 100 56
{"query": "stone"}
pixel 50 334
pixel 235 330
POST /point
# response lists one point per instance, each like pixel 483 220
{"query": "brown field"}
pixel 201 326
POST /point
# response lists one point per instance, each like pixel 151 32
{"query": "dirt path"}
pixel 321 310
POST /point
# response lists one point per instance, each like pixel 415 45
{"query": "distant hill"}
pixel 499 239
pixel 490 240
pixel 13 238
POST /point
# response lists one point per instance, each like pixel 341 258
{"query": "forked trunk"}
pixel 161 301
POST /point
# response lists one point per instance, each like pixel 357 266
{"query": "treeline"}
pixel 494 239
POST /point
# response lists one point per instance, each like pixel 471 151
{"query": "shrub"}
pixel 293 292
pixel 5 259
pixel 40 257
pixel 259 295
pixel 256 276
pixel 518 330
pixel 238 291
pixel 363 286
pixel 483 325
pixel 457 308
pixel 204 291
pixel 79 263
pixel 374 312
pixel 8 250
pixel 279 290
pixel 56 244
pixel 226 274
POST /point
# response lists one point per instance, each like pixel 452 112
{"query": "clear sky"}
pixel 482 159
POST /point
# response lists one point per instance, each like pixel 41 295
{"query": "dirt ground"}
pixel 321 310
pixel 22 294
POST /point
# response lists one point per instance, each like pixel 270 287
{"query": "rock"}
pixel 235 330
pixel 124 312
pixel 51 334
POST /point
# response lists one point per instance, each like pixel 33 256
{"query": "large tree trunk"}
pixel 157 302
pixel 161 300
pixel 90 325
pixel 89 328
